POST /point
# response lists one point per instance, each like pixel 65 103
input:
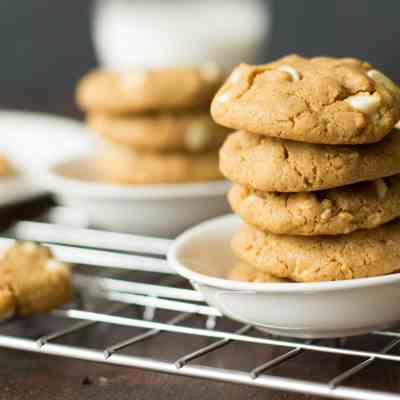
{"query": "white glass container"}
pixel 144 33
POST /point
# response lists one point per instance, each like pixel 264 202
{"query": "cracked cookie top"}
pixel 364 205
pixel 318 100
pixel 277 165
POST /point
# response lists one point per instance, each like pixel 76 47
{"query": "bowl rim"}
pixel 54 181
pixel 292 287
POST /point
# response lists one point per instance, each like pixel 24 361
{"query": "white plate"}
pixel 32 141
pixel 161 210
pixel 305 310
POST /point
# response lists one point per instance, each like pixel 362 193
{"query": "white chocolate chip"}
pixel 132 79
pixel 326 214
pixel 236 76
pixel 365 102
pixel 291 71
pixel 224 97
pixel 197 136
pixel 211 71
pixel 381 188
pixel 30 247
pixel 383 80
pixel 53 265
pixel 252 198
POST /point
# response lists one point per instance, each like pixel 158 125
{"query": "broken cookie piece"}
pixel 32 280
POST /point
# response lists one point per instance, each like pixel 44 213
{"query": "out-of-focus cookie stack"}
pixel 154 124
pixel 315 167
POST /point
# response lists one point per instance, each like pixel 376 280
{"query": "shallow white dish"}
pixel 33 141
pixel 163 210
pixel 305 310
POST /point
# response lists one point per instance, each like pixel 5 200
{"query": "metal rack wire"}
pixel 103 278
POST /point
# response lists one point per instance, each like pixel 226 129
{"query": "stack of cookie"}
pixel 154 124
pixel 315 166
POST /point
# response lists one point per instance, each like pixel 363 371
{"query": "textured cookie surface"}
pixel 277 165
pixel 129 167
pixel 318 100
pixel 193 132
pixel 246 273
pixel 363 253
pixel 148 90
pixel 364 205
pixel 32 280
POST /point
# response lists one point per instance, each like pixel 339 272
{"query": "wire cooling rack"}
pixel 151 308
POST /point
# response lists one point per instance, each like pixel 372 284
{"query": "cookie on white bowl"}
pixel 305 310
pixel 160 209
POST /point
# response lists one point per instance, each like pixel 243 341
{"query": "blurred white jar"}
pixel 146 33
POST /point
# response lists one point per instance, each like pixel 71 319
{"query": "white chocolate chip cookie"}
pixel 318 100
pixel 342 210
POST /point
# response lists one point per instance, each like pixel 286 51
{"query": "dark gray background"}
pixel 45 44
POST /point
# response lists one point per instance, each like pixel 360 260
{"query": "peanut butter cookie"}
pixel 148 90
pixel 360 254
pixel 318 100
pixel 119 165
pixel 277 165
pixel 364 205
pixel 191 132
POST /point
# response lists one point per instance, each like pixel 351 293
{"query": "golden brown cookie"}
pixel 32 280
pixel 192 132
pixel 363 253
pixel 148 90
pixel 364 205
pixel 318 100
pixel 129 167
pixel 246 273
pixel 277 165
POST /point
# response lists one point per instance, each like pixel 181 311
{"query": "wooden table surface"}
pixel 33 376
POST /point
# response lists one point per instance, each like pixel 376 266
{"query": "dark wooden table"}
pixel 32 376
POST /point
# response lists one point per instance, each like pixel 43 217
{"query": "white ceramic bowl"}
pixel 306 310
pixel 32 141
pixel 161 210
